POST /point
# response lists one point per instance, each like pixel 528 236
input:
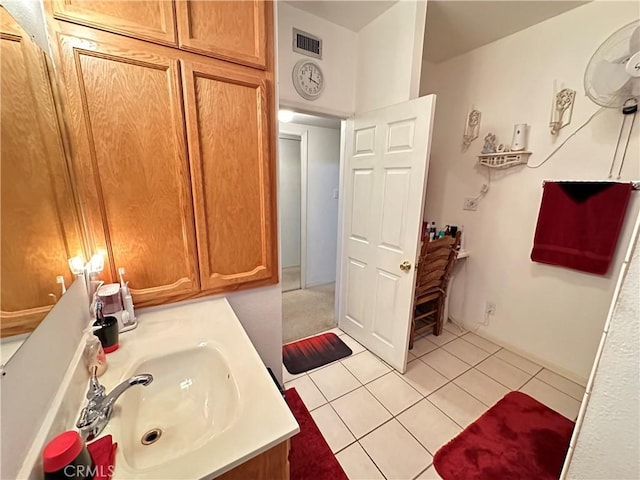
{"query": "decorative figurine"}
pixel 489 144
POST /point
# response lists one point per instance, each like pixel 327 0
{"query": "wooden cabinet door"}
pixel 40 228
pixel 152 20
pixel 125 109
pixel 231 150
pixel 236 31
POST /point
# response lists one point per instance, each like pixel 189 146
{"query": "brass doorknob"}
pixel 405 266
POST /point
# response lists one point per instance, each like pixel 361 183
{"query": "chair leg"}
pixel 437 328
pixel 413 329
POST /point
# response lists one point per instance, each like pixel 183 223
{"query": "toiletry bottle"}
pixel 94 355
pixel 433 231
pixel 127 300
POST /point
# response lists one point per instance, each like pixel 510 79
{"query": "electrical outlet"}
pixel 470 203
pixel 490 308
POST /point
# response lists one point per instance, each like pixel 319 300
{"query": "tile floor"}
pixel 384 425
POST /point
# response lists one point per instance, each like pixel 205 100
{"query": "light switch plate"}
pixel 470 203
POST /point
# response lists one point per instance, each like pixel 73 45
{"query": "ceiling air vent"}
pixel 307 44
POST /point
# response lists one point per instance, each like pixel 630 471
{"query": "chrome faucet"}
pixel 95 416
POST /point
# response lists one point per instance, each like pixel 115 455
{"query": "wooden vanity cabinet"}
pixel 151 20
pixel 174 153
pixel 235 31
pixel 40 227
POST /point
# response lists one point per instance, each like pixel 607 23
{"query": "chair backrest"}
pixel 435 263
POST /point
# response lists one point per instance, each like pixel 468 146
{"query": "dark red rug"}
pixel 517 438
pixel 313 352
pixel 310 457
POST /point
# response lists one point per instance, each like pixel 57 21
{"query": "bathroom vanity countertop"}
pixel 174 340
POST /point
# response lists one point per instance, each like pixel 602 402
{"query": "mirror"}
pixel 40 226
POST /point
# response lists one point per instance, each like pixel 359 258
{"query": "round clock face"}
pixel 308 79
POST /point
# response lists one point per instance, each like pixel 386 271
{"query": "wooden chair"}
pixel 435 263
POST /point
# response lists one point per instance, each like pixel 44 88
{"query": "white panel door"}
pixel 386 160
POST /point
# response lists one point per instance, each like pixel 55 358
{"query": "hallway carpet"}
pixel 518 437
pixel 307 312
pixel 310 457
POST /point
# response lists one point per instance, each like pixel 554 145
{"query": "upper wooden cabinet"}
pixel 231 154
pixel 127 127
pixel 231 30
pixel 152 20
pixel 237 31
pixel 175 157
pixel 40 227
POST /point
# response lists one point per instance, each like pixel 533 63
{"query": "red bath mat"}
pixel 310 457
pixel 313 352
pixel 517 438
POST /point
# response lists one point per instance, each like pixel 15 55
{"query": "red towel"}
pixel 103 454
pixel 579 224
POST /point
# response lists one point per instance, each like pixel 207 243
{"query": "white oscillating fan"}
pixel 612 79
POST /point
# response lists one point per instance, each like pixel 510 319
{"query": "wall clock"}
pixel 308 79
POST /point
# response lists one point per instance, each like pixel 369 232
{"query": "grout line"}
pixel 554 387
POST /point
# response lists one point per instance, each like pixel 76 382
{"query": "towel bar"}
pixel 635 183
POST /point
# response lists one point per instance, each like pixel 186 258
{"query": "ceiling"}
pixel 352 15
pixel 315 120
pixel 456 27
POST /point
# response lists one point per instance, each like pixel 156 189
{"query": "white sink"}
pixel 211 396
pixel 192 398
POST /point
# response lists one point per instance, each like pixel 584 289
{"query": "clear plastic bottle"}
pixel 94 355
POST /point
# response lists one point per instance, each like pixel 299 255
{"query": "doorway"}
pixel 290 180
pixel 308 180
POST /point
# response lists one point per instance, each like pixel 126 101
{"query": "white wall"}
pixel 30 16
pixel 337 64
pixel 323 170
pixel 389 56
pixel 608 442
pixel 551 314
pixel 289 177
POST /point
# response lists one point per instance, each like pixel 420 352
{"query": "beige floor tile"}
pixel 352 344
pixel 334 431
pixel 357 465
pixel 561 383
pixel 466 351
pixel 453 328
pixel 423 378
pixel 448 365
pixel 309 393
pixel 336 330
pixel 481 342
pixel 482 387
pixel 458 404
pixel 394 393
pixel 445 337
pixel 429 474
pixel 429 425
pixel 360 411
pixel 421 346
pixel 396 453
pixel 365 366
pixel 287 377
pixel 518 361
pixel 552 398
pixel 504 373
pixel 334 381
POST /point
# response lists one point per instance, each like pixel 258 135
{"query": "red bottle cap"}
pixel 112 348
pixel 61 451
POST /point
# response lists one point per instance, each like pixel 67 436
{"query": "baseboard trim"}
pixel 582 381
